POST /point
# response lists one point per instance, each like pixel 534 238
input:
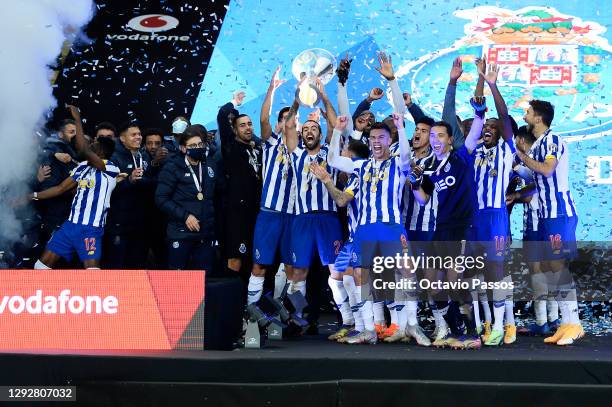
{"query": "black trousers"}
pixel 187 254
pixel 124 251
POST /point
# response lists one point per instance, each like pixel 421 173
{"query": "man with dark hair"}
pixel 449 182
pixel 492 160
pixel 545 306
pixel 105 129
pixel 549 160
pixel 186 193
pixel 272 233
pixel 242 165
pixel 315 228
pixel 95 180
pixel 126 218
pixel 154 233
pixel 59 155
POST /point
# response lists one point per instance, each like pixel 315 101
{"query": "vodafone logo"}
pixel 152 23
pixel 64 303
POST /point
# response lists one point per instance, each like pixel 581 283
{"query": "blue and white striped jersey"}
pixel 278 191
pixel 92 199
pixel 415 216
pixel 380 185
pixel 311 194
pixel 492 168
pixel 352 188
pixel 555 198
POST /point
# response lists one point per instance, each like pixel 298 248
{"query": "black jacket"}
pixel 176 197
pixel 56 210
pixel 126 213
pixel 226 134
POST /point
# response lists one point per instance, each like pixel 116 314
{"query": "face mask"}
pixel 197 153
pixel 179 126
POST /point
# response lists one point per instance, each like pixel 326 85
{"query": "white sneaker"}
pixel 365 336
pixel 417 333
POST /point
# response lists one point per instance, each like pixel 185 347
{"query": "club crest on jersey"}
pixel 323 154
pixel 175 245
pixel 211 172
pixel 447 167
pixel 444 183
pixel 242 248
pixel 87 183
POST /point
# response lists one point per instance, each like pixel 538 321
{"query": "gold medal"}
pixel 493 172
pixel 200 196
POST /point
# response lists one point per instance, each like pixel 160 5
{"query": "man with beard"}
pixel 242 163
pixel 94 180
pixel 59 155
pixel 549 160
pixel 493 159
pixel 316 226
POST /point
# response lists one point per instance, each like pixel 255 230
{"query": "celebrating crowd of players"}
pixel 444 192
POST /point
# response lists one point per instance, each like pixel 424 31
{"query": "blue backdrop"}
pixel 560 53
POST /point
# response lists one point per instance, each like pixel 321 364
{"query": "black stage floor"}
pixel 311 370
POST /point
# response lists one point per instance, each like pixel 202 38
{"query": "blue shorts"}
pixel 420 241
pixel 320 231
pixel 379 239
pixel 86 241
pixel 491 233
pixel 272 233
pixel 346 258
pixel 531 246
pixel 560 237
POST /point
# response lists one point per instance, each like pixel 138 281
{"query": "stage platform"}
pixel 312 371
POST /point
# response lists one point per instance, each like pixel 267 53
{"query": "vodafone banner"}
pixel 101 309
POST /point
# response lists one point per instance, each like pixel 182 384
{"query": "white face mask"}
pixel 179 126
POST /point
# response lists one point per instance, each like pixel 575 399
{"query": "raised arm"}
pixel 481 66
pixel 405 151
pixel 340 197
pixel 365 104
pixel 266 108
pixel 476 130
pixel 82 146
pixel 449 114
pixel 290 135
pixel 330 111
pixel 386 70
pixel 343 102
pixel 334 158
pixel 414 109
pixel 500 104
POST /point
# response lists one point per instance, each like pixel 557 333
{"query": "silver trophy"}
pixel 312 63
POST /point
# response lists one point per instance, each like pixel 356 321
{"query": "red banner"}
pixel 101 309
